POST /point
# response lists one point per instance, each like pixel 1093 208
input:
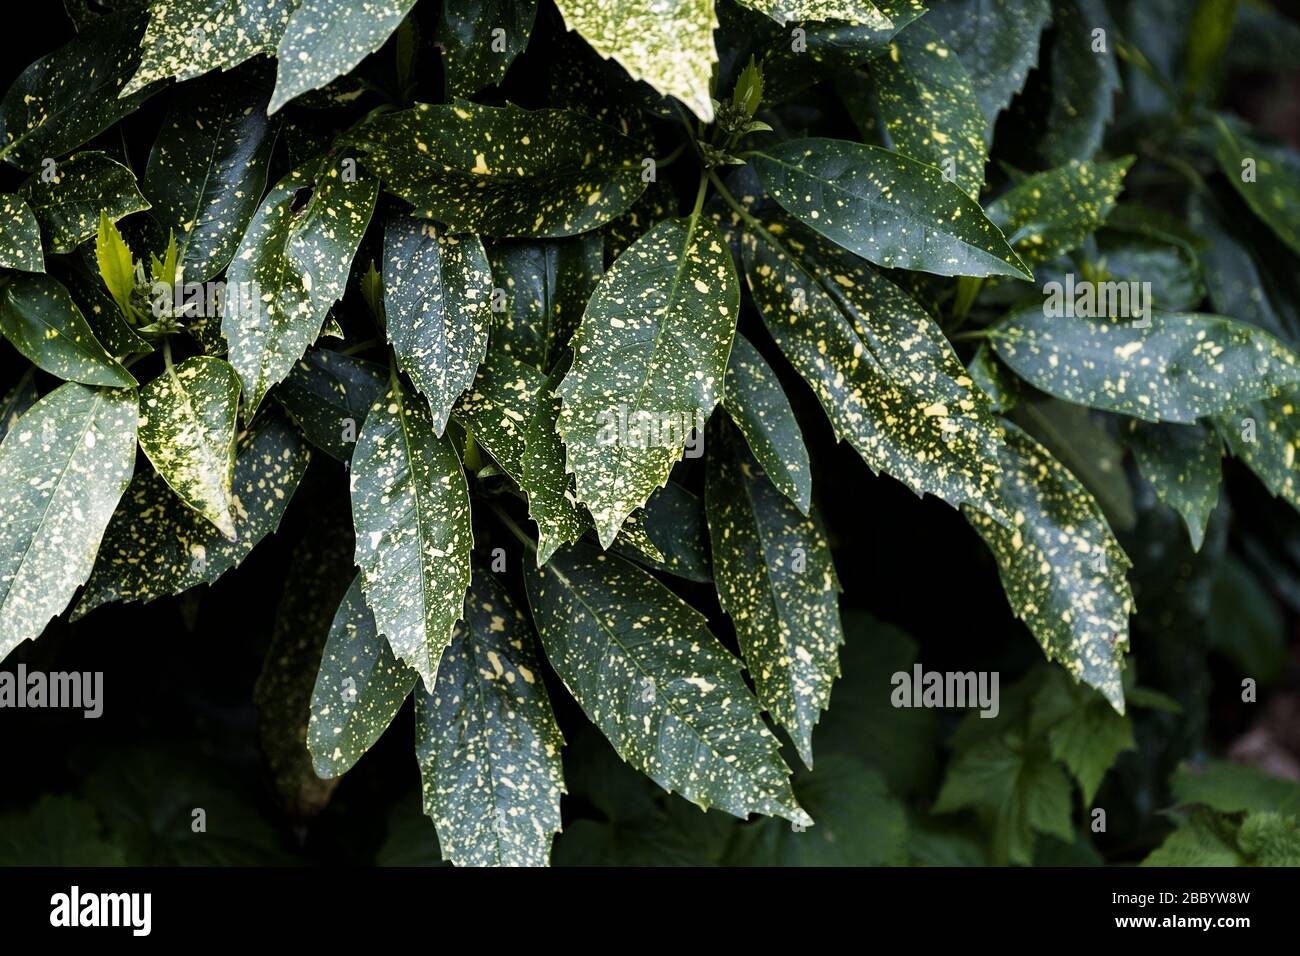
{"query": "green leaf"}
pixel 546 286
pixel 858 823
pixel 1265 434
pixel 504 171
pixel 477 55
pixel 156 546
pixel 38 316
pixel 927 101
pixel 776 581
pixel 1246 624
pixel 881 368
pixel 645 669
pixel 1177 368
pixel 1205 840
pixel 757 404
pixel 73 94
pixel 668 44
pixel 487 742
pixel 650 356
pixel 901 743
pixel 1082 81
pixel 1270 839
pixel 291 266
pixel 551 491
pixel 56 831
pixel 1018 790
pixel 359 689
pixel 20 236
pixel 998 43
pixel 1062 570
pixel 206 172
pixel 324 39
pixel 81 188
pixel 116 265
pixel 1049 214
pixel 1083 731
pixel 187 38
pixel 1270 184
pixel 187 428
pixel 891 210
pixel 328 395
pixel 1234 788
pixel 1171 269
pixel 437 298
pixel 62 470
pixel 1182 462
pixel 410 508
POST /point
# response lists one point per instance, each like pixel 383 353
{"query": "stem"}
pixel 514 528
pixel 968 290
pixel 973 334
pixel 360 347
pixel 699 196
pixel 730 200
pixel 667 160
pixel 167 356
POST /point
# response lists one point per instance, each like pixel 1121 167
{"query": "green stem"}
pixel 699 196
pixel 668 160
pixel 514 528
pixel 736 207
pixel 167 356
pixel 360 347
pixel 473 460
pixel 968 290
pixel 973 334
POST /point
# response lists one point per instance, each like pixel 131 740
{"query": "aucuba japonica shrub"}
pixel 583 348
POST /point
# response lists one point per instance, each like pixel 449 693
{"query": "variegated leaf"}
pixel 649 361
pixel 62 470
pixel 487 741
pixel 881 368
pixel 1183 463
pixel 891 210
pixel 757 404
pixel 1049 214
pixel 68 204
pixel 187 38
pixel 645 669
pixel 437 298
pixel 776 581
pixel 1062 570
pixel 187 428
pixel 291 266
pixel 669 43
pixel 1166 367
pixel 410 508
pixel 359 689
pixel 502 170
pixel 482 39
pixel 38 316
pixel 324 39
pixel 20 236
pixel 206 172
pixel 73 94
pixel 156 546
